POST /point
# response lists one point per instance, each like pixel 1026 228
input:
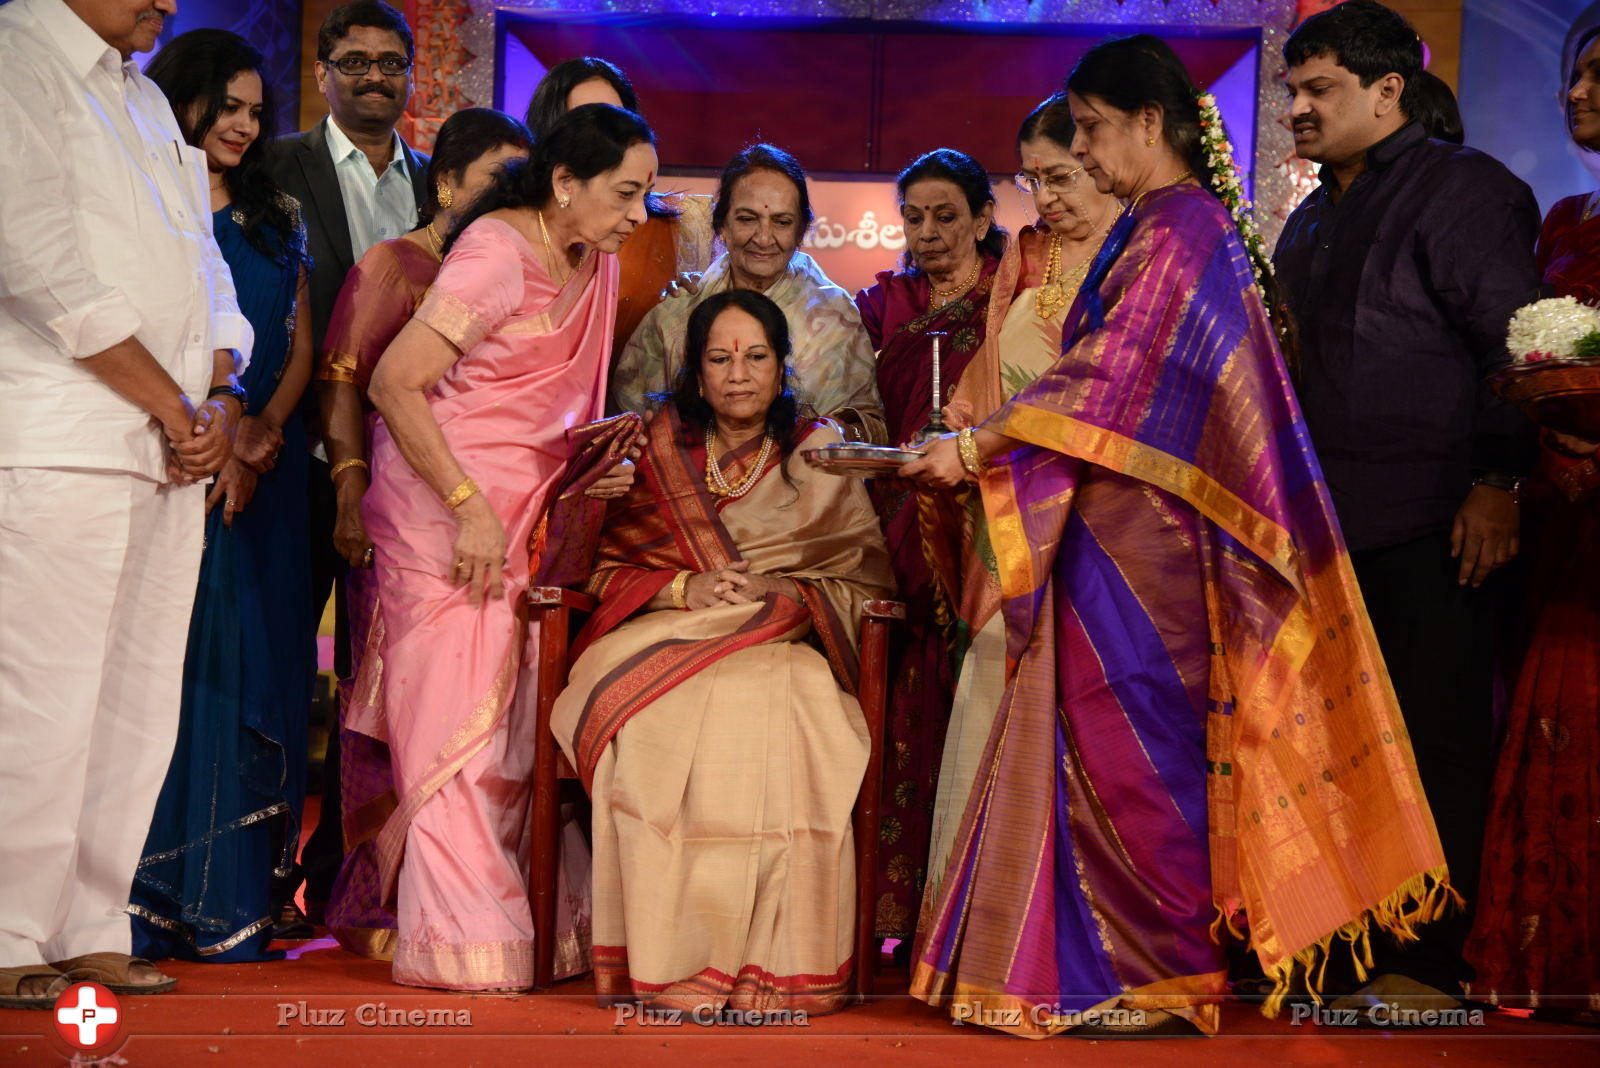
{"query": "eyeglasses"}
pixel 355 66
pixel 1056 183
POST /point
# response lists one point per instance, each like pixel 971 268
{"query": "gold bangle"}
pixel 460 494
pixel 680 591
pixel 967 446
pixel 345 465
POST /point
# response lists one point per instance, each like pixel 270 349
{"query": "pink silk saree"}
pixel 455 852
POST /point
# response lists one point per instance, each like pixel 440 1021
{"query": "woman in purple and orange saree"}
pixel 1536 927
pixel 476 395
pixel 379 297
pixel 953 248
pixel 711 710
pixel 1197 733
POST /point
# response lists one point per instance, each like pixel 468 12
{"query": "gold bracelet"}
pixel 460 494
pixel 345 465
pixel 680 591
pixel 967 446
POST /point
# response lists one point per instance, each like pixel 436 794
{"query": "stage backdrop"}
pixel 1510 91
pixel 856 88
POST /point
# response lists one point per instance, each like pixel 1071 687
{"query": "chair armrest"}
pixel 545 597
pixel 884 610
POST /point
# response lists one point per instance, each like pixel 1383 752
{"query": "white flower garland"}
pixel 1551 330
pixel 1225 181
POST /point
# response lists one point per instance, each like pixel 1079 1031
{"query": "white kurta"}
pixel 105 233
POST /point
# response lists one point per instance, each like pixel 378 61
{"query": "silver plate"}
pixel 860 460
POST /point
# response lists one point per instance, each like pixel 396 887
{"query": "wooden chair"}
pixel 550 609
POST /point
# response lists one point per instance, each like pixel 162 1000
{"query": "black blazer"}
pixel 303 168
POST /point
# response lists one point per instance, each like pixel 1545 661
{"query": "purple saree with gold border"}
pixel 1197 731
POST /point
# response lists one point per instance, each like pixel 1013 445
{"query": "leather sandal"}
pixel 30 986
pixel 114 971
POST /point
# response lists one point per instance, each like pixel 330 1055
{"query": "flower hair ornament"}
pixel 1225 182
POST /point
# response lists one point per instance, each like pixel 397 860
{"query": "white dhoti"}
pixel 97 580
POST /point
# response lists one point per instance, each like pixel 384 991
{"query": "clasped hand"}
pixel 733 584
pixel 257 443
pixel 199 446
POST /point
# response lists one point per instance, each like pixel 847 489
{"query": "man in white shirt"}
pixel 120 339
pixel 359 183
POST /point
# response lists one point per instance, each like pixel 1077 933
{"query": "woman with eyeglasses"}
pixel 1035 287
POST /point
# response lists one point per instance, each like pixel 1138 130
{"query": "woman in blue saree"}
pixel 229 810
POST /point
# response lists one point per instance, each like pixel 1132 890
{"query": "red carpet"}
pixel 286 1013
pixel 230 1015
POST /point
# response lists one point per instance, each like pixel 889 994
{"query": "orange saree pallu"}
pixel 722 747
pixel 1197 730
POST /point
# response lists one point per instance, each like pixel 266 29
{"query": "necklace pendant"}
pixel 1050 299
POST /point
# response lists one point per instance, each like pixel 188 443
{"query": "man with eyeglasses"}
pixel 359 183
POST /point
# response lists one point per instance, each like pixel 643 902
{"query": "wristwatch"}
pixel 1495 480
pixel 234 390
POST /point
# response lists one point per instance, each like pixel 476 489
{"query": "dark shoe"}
pixel 1399 1001
pixel 1154 1023
pixel 292 925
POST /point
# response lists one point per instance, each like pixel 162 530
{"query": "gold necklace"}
pixel 1184 177
pixel 935 293
pixel 717 483
pixel 435 240
pixel 555 264
pixel 1057 293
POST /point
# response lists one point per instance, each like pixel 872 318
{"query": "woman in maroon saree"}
pixel 1536 934
pixel 954 247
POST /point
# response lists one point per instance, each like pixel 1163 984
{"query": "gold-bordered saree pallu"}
pixel 1197 725
pixel 452 854
pixel 722 747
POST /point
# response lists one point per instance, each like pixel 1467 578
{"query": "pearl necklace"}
pixel 718 484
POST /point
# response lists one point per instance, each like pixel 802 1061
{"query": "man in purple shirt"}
pixel 1402 272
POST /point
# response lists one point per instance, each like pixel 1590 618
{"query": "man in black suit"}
pixel 358 183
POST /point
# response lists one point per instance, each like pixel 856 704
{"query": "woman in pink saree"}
pixel 506 353
pixel 379 296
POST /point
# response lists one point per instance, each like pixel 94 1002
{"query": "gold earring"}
pixel 1149 142
pixel 445 196
pixel 564 201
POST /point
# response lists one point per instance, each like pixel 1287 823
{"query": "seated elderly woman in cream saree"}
pixel 711 712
